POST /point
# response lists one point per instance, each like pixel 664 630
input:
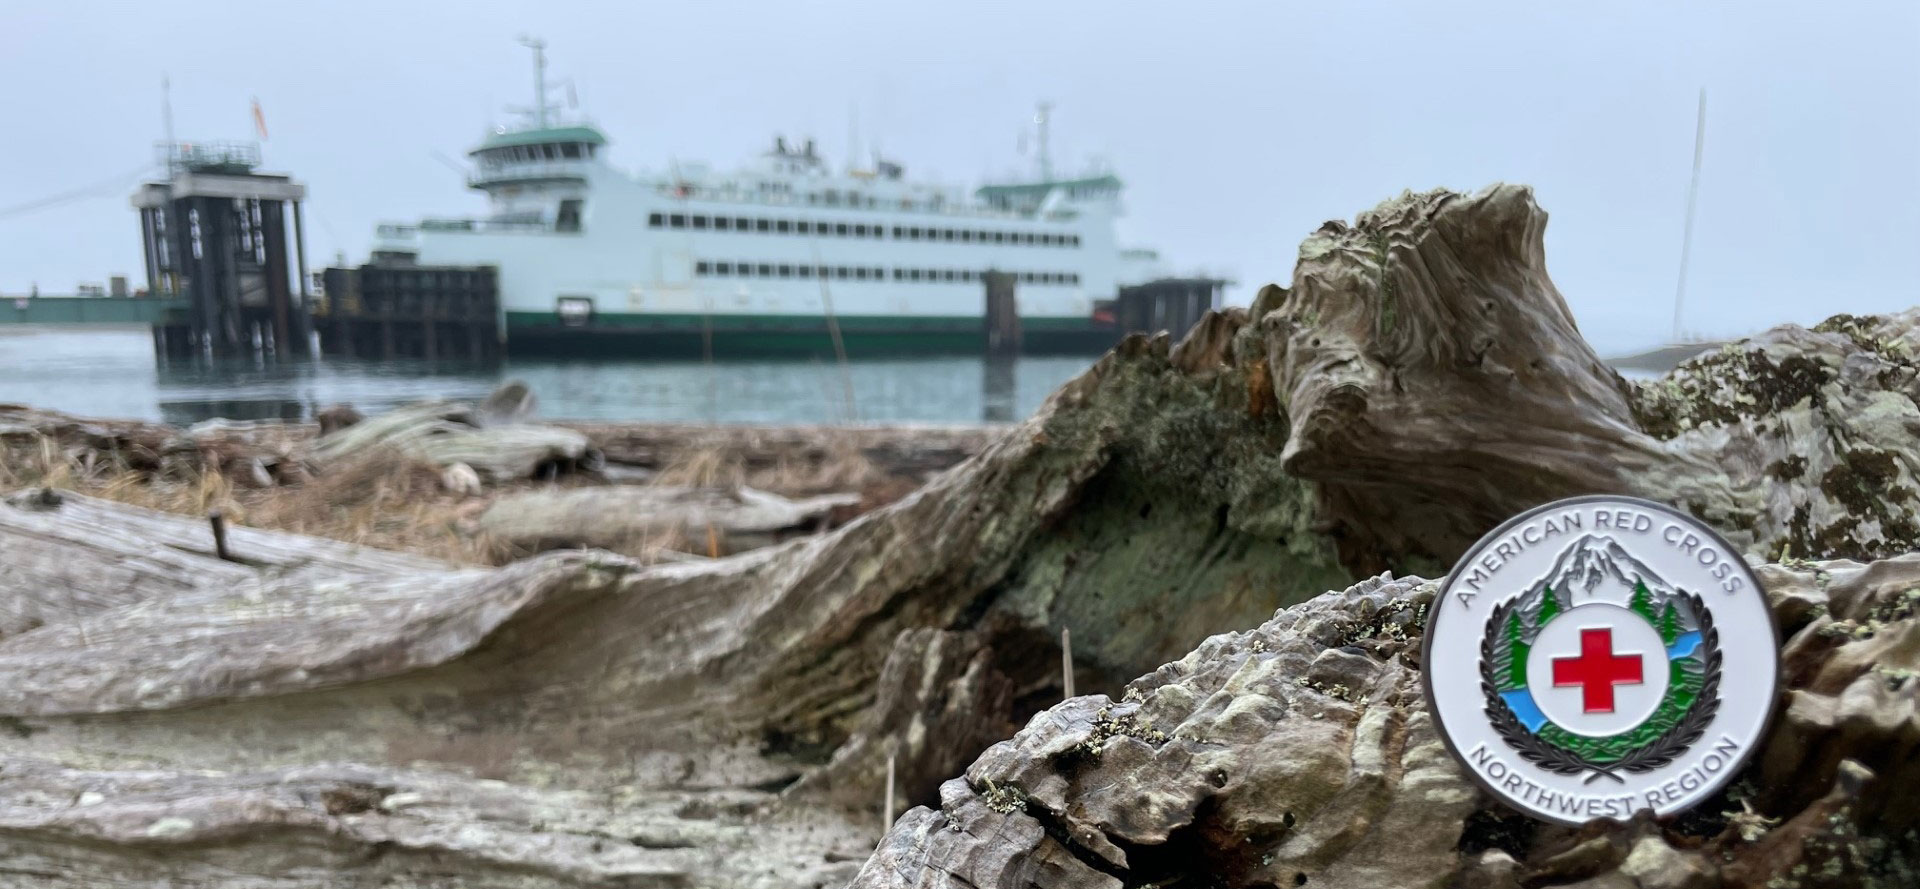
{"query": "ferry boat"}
pixel 785 255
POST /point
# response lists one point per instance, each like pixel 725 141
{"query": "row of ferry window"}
pixel 855 273
pixel 701 222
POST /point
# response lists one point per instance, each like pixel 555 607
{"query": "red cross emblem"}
pixel 1596 670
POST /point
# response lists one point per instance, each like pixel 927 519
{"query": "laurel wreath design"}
pixel 1658 754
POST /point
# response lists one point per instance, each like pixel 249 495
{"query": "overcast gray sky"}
pixel 1238 127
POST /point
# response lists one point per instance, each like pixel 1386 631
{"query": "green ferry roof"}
pixel 585 134
pixel 1036 189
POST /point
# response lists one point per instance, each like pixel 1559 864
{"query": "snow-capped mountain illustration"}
pixel 1596 568
pixel 1599 568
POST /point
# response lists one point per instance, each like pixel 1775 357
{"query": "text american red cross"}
pixel 1597 670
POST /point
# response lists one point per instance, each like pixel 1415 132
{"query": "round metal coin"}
pixel 1598 656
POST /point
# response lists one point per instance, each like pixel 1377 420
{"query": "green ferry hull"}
pixel 685 336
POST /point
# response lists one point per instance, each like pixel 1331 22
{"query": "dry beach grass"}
pixel 386 500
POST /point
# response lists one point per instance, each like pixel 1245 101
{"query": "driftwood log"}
pixel 488 438
pixel 729 723
pixel 1300 753
pixel 675 516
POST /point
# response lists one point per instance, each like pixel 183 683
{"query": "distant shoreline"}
pixel 1662 359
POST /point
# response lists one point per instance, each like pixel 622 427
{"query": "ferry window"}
pixel 805 271
pixel 840 229
pixel 913 234
pixel 742 223
pixel 879 273
pixel 913 274
pixel 677 220
pixel 720 223
pixel 802 226
pixel 723 268
pixel 568 219
pixel 761 225
pixel 946 234
pixel 699 222
pixel 840 271
pixel 654 220
pixel 860 274
pixel 571 150
pixel 966 237
pixel 702 268
pixel 860 231
pixel 1073 241
pixel 999 237
pixel 899 275
pixel 1074 278
pixel 783 226
pixel 764 270
pixel 896 232
pixel 831 197
pixel 785 271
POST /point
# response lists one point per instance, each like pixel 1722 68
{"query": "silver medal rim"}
pixel 1493 536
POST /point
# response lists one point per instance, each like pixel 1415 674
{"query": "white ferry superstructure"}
pixel 775 257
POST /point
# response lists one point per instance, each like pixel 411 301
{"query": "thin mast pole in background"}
pixel 1693 197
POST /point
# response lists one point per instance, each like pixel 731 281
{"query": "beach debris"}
pixel 671 516
pixel 491 440
pixel 459 478
pixel 336 417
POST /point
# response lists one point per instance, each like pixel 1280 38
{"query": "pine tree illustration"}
pixel 1518 648
pixel 1549 606
pixel 1669 624
pixel 1642 603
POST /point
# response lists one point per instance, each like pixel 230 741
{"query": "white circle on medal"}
pixel 1513 558
pixel 1628 637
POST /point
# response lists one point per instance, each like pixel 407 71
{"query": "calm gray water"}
pixel 110 372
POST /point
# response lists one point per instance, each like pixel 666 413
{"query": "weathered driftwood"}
pixel 64 557
pixel 1300 753
pixel 1148 506
pixel 444 433
pixel 1436 384
pixel 618 516
pixel 255 454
